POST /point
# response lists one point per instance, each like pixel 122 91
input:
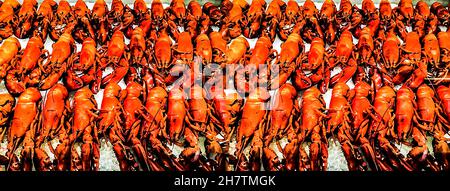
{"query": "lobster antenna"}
pixel 12 152
pixel 240 151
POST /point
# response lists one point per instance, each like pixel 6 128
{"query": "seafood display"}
pixel 233 86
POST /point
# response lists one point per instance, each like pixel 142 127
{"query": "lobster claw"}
pixel 14 164
pixel 402 74
pixel 42 160
pixel 120 153
pixel 75 160
pixel 242 84
pixel 118 74
pixel 416 79
pixel 255 154
pixel 206 164
pixel 97 81
pixel 62 153
pixel 324 84
pixel 14 84
pixel 140 153
pixel 24 30
pixel 243 164
pixel 301 81
pixel 252 30
pixel 72 81
pixel 346 73
pixel 27 157
pixel 89 153
pixel 153 163
pixel 235 31
pixel 270 160
pixel 90 30
pixel 191 154
pixel 51 80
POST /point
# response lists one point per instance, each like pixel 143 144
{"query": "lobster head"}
pixel 405 93
pixel 341 88
pixel 112 89
pixel 59 90
pixel 312 93
pixel 177 94
pixel 31 94
pixel 259 94
pixel 157 93
pixel 288 91
pixel 134 89
pixel 362 89
pixel 443 92
pixel 83 94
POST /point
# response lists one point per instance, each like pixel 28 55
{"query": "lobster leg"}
pixel 62 153
pixel 324 155
pixel 88 149
pixel 119 149
pixel 291 154
pixel 382 163
pixel 347 149
pixel 42 161
pixel 14 163
pixel 75 160
pixel 368 152
pixel 256 153
pixel 27 157
pixel 140 152
pixel 304 161
pixel 318 150
pixel 314 154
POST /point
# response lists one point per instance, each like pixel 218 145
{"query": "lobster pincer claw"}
pixel 301 81
pixel 73 81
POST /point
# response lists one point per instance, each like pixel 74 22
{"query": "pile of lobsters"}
pixel 398 72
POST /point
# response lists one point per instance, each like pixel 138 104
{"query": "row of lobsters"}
pixel 405 46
